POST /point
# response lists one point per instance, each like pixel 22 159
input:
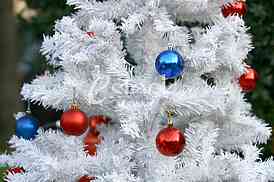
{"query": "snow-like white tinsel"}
pixel 112 73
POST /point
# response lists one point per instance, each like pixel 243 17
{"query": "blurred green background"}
pixel 25 21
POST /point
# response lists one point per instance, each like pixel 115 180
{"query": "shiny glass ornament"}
pixel 74 122
pixel 91 34
pixel 170 141
pixel 98 120
pixel 235 8
pixel 26 127
pixel 169 64
pixel 15 170
pixel 248 80
pixel 86 179
pixel 91 140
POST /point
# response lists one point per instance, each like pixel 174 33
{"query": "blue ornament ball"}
pixel 27 127
pixel 169 64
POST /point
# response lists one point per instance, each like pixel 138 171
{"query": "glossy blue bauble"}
pixel 26 127
pixel 169 64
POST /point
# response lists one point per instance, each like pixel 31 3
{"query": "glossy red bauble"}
pixel 170 141
pixel 235 8
pixel 98 120
pixel 248 80
pixel 15 170
pixel 90 141
pixel 91 34
pixel 86 179
pixel 74 122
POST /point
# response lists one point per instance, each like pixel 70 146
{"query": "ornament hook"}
pixel 28 111
pixel 74 105
pixel 171 46
pixel 170 115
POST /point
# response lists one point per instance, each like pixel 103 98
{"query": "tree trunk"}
pixel 8 75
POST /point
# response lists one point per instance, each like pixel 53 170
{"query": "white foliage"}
pixel 53 156
pixel 93 70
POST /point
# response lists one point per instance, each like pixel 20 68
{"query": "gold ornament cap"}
pixel 170 115
pixel 75 107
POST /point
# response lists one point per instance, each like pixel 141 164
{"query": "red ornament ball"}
pixel 15 170
pixel 248 80
pixel 235 8
pixel 170 141
pixel 91 34
pixel 74 122
pixel 98 120
pixel 86 179
pixel 90 141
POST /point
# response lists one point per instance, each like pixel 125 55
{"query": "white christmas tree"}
pixel 105 55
